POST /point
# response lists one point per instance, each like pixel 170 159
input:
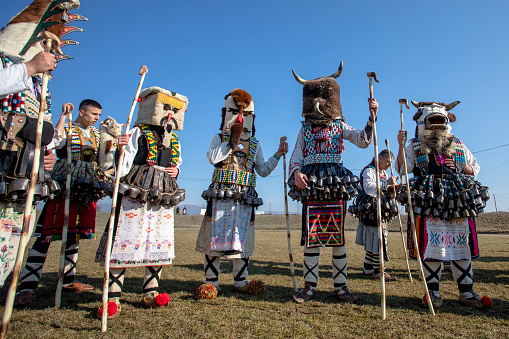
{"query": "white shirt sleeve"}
pixel 14 79
pixel 130 152
pixel 470 159
pixel 262 167
pixel 297 159
pixel 218 151
pixel 357 137
pixel 410 161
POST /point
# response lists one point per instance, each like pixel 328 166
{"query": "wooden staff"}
pixel 23 239
pixel 61 265
pixel 399 219
pixel 411 211
pixel 104 317
pixel 292 269
pixel 372 75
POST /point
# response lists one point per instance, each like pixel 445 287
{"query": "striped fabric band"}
pixel 174 149
pixel 76 140
pixel 231 176
pixel 152 145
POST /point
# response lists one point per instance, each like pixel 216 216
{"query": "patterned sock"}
pixel 32 272
pixel 152 278
pixel 212 270
pixel 376 263
pixel 71 258
pixel 310 269
pixel 339 267
pixel 432 273
pixel 116 282
pixel 240 273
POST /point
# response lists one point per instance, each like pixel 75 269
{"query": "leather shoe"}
pixel 77 287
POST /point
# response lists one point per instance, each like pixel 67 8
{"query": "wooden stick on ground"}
pixel 400 224
pixel 23 239
pixel 411 212
pixel 61 265
pixel 372 75
pixel 104 317
pixel 290 254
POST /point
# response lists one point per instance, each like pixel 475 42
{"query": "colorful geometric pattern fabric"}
pixel 325 223
pixel 422 159
pixel 335 145
pixel 151 144
pixel 81 220
pixel 25 102
pixel 175 152
pixel 442 240
pixel 230 226
pixel 77 135
pixel 11 223
pixel 144 237
pixel 231 176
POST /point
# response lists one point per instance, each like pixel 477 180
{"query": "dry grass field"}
pixel 274 314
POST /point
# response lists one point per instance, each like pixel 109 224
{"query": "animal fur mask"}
pixel 321 102
pixel 433 126
pixel 37 18
pixel 239 108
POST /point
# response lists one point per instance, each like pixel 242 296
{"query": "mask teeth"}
pixel 75 17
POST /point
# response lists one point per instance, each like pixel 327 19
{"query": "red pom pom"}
pixel 425 300
pixel 139 99
pixel 486 301
pixel 112 309
pixel 162 299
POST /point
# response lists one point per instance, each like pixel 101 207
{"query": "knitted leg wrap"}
pixel 71 258
pixel 32 272
pixel 310 269
pixel 152 278
pixel 116 282
pixel 432 273
pixel 339 266
pixel 376 263
pixel 368 262
pixel 463 274
pixel 240 273
pixel 212 270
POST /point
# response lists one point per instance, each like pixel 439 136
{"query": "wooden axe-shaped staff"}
pixel 371 76
pixel 23 239
pixel 411 211
pixel 104 317
pixel 67 204
pixel 292 268
pixel 399 219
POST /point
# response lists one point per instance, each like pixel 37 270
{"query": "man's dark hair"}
pixel 90 103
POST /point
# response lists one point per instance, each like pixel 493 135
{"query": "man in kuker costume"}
pixel 446 198
pixel 23 61
pixel 144 219
pixel 228 228
pixel 319 179
pixel 86 188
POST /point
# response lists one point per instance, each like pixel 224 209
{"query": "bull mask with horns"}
pixel 321 102
pixel 433 116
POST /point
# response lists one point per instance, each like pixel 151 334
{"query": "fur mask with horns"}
pixel 321 102
pixel 238 113
pixel 21 38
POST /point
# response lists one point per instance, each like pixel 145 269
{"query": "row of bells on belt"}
pixel 84 190
pixel 153 195
pixel 228 193
pixel 325 188
pixel 17 189
pixel 389 208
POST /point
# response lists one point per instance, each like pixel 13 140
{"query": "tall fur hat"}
pixel 160 107
pixel 21 38
pixel 321 103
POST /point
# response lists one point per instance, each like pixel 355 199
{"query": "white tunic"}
pixel 14 79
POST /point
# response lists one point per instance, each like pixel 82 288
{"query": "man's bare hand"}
pixel 49 160
pixel 41 63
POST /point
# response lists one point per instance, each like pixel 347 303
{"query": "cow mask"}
pixel 433 116
pixel 239 109
pixel 321 102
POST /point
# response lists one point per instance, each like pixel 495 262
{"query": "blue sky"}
pixel 422 51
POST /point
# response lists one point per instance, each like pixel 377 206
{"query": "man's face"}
pixel 384 163
pixel 89 115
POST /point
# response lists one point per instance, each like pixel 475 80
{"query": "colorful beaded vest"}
pixel 80 146
pixel 152 146
pixel 422 160
pixel 314 137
